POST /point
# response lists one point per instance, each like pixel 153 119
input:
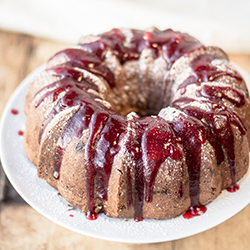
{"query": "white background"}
pixel 225 23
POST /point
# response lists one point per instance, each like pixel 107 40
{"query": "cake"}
pixel 139 124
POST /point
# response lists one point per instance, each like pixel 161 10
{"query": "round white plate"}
pixel 46 200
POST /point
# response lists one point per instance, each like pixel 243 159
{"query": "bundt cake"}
pixel 142 124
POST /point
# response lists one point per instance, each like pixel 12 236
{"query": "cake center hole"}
pixel 147 109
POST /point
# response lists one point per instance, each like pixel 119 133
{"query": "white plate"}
pixel 46 200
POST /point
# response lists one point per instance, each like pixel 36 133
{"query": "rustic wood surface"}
pixel 21 227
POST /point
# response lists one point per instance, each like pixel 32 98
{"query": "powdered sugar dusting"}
pixel 170 113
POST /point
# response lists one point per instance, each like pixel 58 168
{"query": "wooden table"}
pixel 21 227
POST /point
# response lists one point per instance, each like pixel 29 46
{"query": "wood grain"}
pixel 21 227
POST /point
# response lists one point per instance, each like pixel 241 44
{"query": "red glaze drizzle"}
pixel 217 93
pixel 194 211
pixel 154 139
pixel 193 134
pixel 219 119
pixel 204 71
pixel 173 44
pixel 73 90
pixel 20 132
pixel 14 112
pixel 115 40
pixel 88 61
pixel 158 143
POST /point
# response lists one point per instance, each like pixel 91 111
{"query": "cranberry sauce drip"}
pixel 194 211
pixel 20 132
pixel 133 146
pixel 218 118
pixel 116 41
pixel 233 188
pixel 14 112
pixel 149 141
pixel 65 71
pixel 89 61
pixel 158 143
pixel 74 128
pixel 217 93
pixel 193 135
pixel 69 87
pixel 173 44
pixel 105 132
pixel 107 146
pixel 204 71
pixel 152 142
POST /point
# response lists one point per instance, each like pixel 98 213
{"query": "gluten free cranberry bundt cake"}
pixel 143 124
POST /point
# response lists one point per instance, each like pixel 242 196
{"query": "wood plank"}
pixel 32 231
pixel 242 60
pixel 20 55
